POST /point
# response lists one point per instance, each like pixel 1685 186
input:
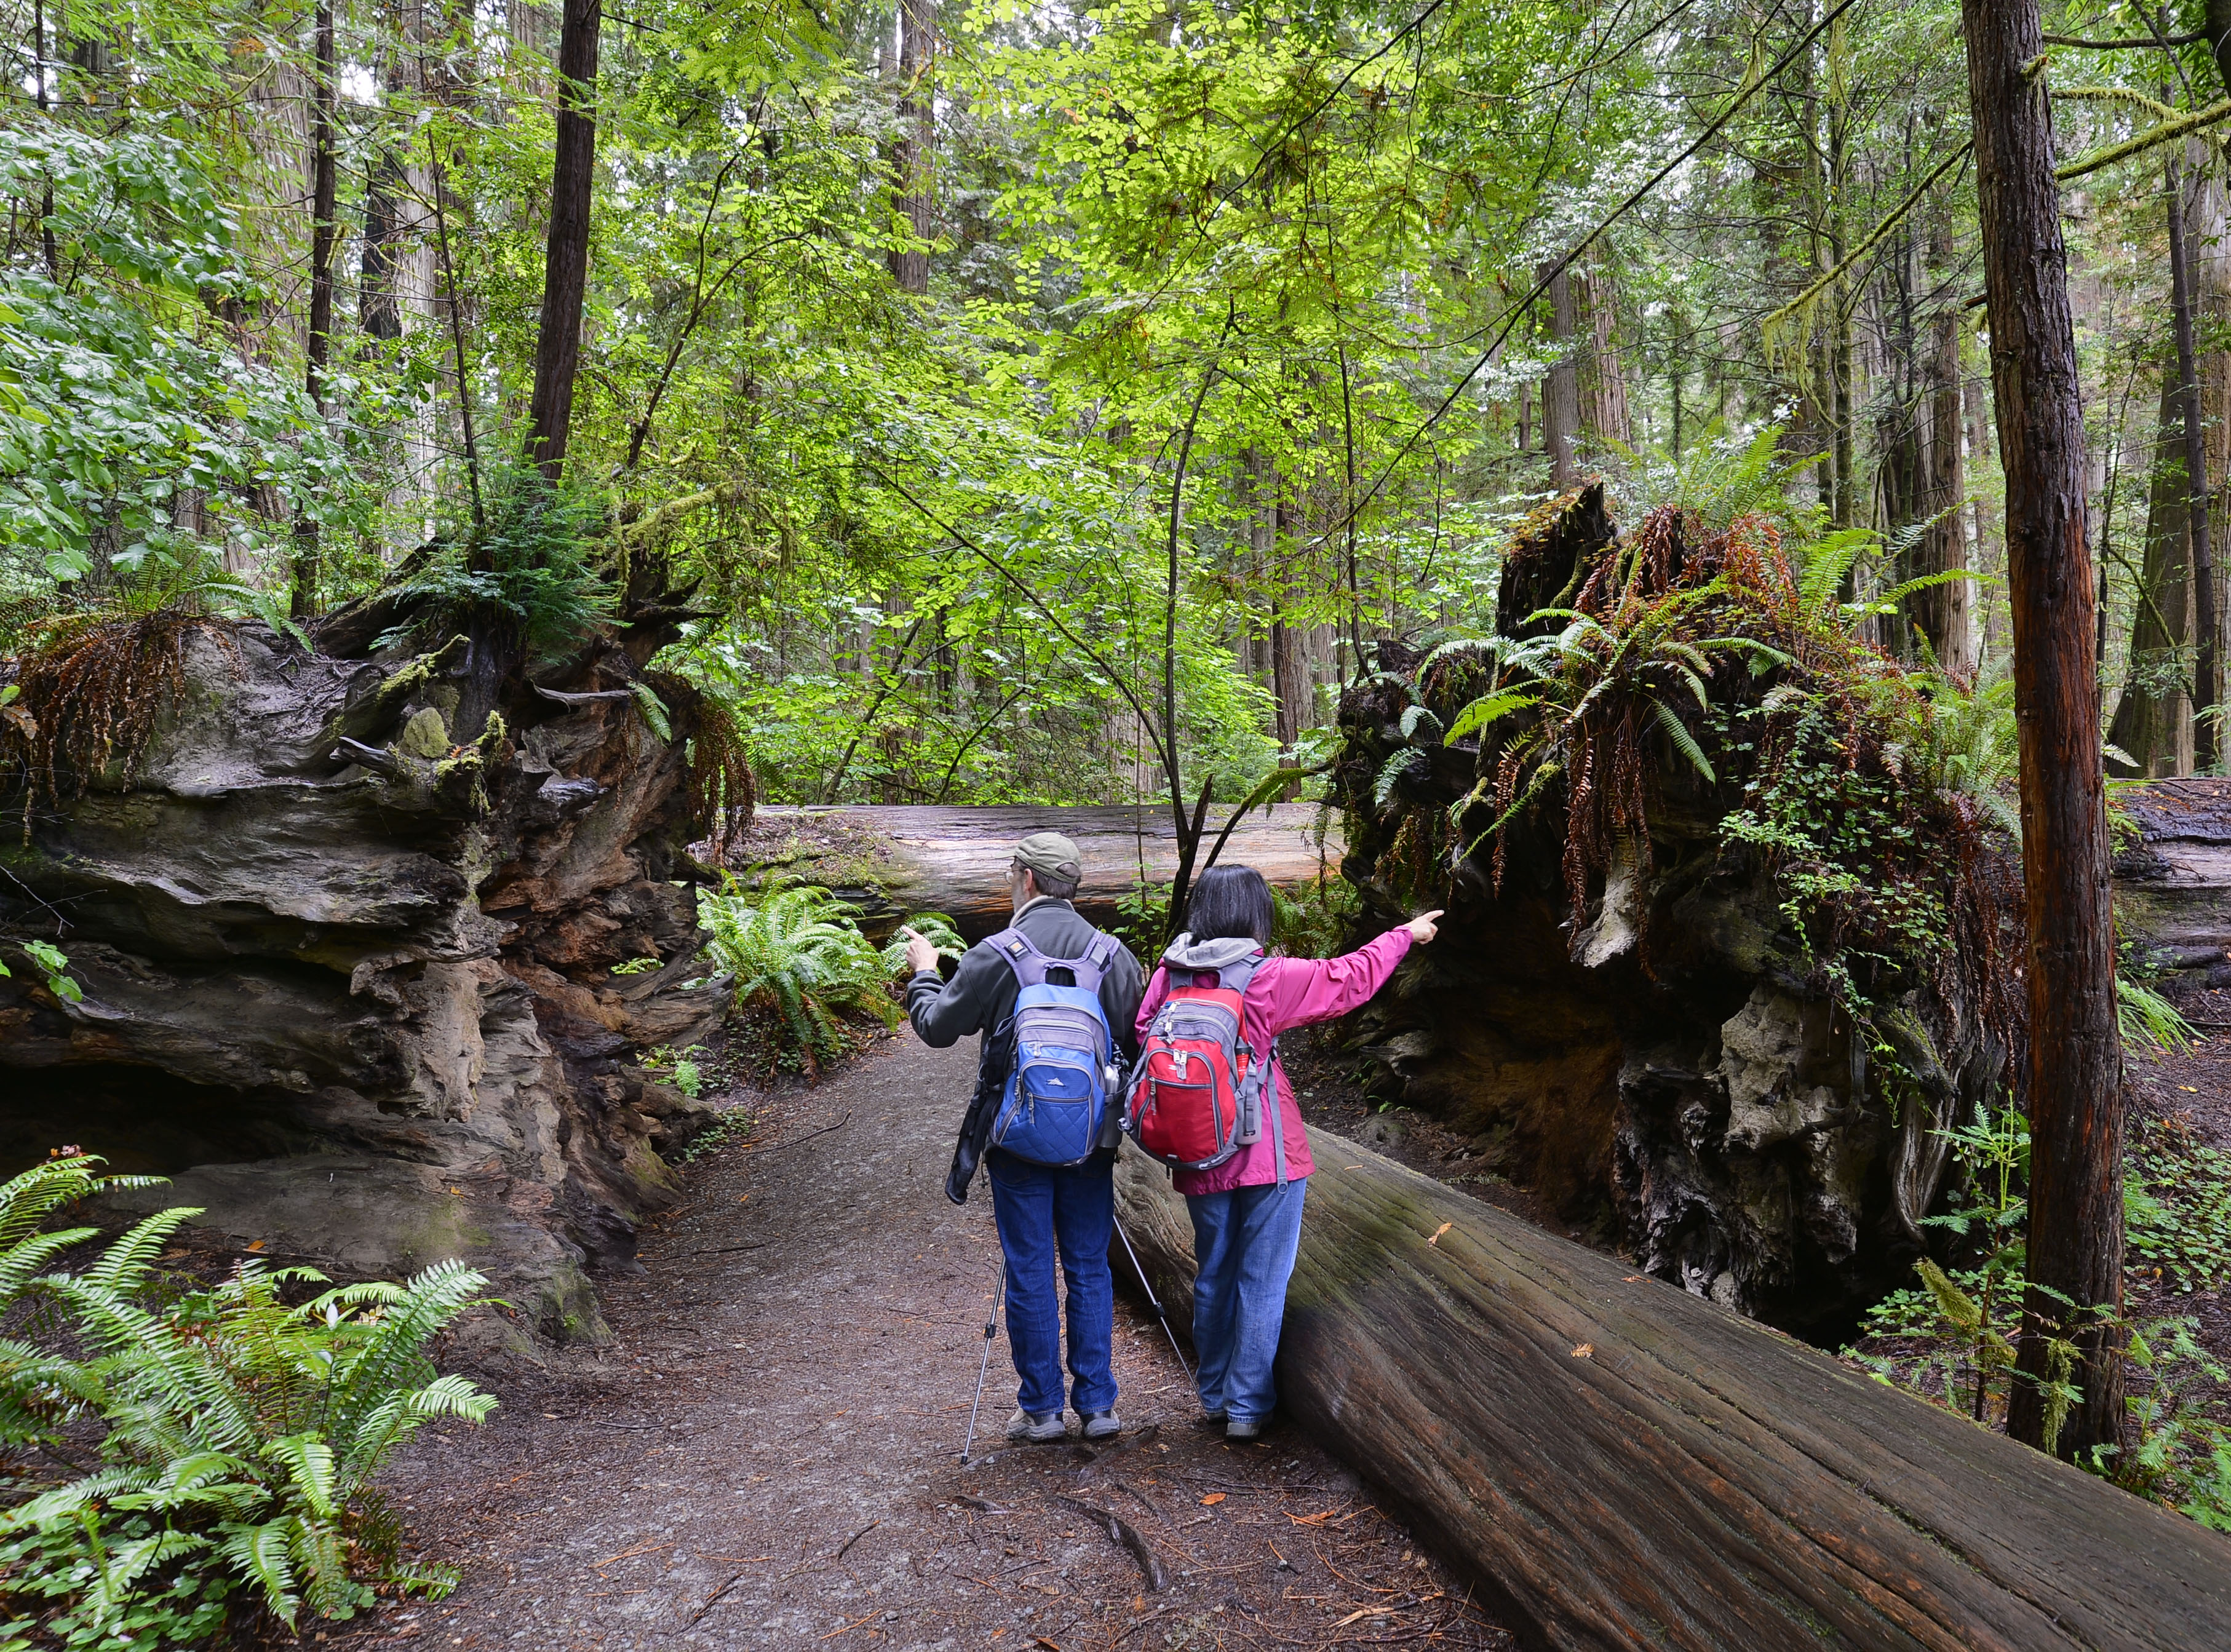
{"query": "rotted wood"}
pixel 892 861
pixel 1627 1465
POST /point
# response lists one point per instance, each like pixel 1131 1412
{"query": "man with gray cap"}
pixel 1042 1209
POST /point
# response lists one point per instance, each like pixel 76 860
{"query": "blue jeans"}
pixel 1041 1208
pixel 1244 1240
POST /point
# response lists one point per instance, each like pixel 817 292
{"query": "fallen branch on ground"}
pixel 1158 1578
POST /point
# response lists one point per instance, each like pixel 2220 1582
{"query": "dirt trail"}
pixel 768 1455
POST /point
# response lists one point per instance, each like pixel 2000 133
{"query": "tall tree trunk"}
pixel 2151 713
pixel 1900 480
pixel 1946 613
pixel 318 345
pixel 911 157
pixel 1600 381
pixel 2205 687
pixel 2075 1074
pixel 565 267
pixel 1560 392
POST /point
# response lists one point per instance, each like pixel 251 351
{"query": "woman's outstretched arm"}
pixel 1308 990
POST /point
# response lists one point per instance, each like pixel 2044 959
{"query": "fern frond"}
pixel 309 1464
pixel 1487 709
pixel 21 1263
pixel 124 1264
pixel 451 1395
pixel 1415 718
pixel 261 1555
pixel 1391 773
pixel 118 1569
pixel 1684 741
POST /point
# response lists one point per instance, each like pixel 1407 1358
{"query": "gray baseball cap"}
pixel 1050 855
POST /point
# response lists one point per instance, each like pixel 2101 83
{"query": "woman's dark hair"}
pixel 1230 901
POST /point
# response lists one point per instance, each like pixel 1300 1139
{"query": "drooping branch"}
pixel 1776 326
pixel 2150 45
pixel 2153 136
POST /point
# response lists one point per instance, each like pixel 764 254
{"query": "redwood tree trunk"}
pixel 318 348
pixel 1560 392
pixel 565 267
pixel 1945 610
pixel 2075 1059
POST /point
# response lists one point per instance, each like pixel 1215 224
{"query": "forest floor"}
pixel 2182 1103
pixel 769 1451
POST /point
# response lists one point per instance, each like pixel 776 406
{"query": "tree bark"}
pixel 2074 1088
pixel 1626 1465
pixel 2150 721
pixel 1560 392
pixel 911 157
pixel 1601 378
pixel 565 265
pixel 2206 689
pixel 318 344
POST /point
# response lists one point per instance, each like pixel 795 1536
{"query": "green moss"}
pixel 424 736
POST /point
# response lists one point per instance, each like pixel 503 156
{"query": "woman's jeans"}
pixel 1042 1209
pixel 1245 1240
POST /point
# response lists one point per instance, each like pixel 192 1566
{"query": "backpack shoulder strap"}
pixel 1020 955
pixel 1090 966
pixel 1241 975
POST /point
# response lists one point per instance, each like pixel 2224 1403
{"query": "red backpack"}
pixel 1196 1091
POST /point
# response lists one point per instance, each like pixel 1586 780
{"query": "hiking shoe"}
pixel 1243 1428
pixel 1036 1430
pixel 1103 1425
pixel 1213 1419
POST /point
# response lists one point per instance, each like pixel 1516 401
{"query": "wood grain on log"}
pixel 893 861
pixel 1629 1465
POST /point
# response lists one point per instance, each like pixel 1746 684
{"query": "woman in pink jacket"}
pixel 1247 1211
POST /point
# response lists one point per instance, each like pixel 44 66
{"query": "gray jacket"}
pixel 981 998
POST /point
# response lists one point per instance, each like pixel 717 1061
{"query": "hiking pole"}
pixel 990 1329
pixel 1153 1300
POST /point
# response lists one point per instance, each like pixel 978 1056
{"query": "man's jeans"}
pixel 1244 1239
pixel 1041 1209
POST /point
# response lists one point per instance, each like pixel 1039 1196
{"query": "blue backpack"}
pixel 1056 1099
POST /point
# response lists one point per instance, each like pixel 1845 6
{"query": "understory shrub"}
pixel 219 1443
pixel 798 957
pixel 1951 1337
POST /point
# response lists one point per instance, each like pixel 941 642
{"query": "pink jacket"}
pixel 1287 992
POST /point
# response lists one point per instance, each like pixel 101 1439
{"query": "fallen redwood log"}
pixel 1628 1465
pixel 890 861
